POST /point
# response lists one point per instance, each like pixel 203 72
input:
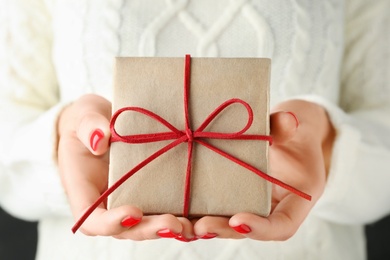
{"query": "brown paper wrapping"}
pixel 218 185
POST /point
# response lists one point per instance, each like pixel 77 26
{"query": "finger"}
pixel 154 227
pixel 88 118
pixel 94 132
pixel 111 222
pixel 187 233
pixel 283 222
pixel 210 227
pixel 283 126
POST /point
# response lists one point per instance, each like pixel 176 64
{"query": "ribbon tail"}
pixel 118 183
pixel 256 171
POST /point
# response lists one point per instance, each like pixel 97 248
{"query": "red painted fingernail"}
pixel 184 239
pixel 209 236
pixel 96 136
pixel 130 221
pixel 295 117
pixel 243 229
pixel 166 233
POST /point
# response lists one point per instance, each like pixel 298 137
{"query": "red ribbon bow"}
pixel 188 136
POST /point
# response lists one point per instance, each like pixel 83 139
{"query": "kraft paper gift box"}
pixel 218 186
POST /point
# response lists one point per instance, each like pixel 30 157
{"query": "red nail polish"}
pixel 209 236
pixel 96 136
pixel 166 233
pixel 243 229
pixel 184 239
pixel 130 221
pixel 295 117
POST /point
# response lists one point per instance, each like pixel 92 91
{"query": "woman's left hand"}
pixel 299 156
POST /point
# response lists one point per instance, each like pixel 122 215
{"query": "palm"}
pixel 286 165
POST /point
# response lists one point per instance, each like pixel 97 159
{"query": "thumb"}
pixel 94 132
pixel 284 126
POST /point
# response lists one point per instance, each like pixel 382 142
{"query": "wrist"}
pixel 327 142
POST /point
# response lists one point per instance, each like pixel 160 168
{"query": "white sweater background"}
pixel 334 53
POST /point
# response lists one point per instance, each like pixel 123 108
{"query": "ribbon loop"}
pixel 221 108
pixel 143 138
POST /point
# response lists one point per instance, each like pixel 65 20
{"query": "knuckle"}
pixel 206 221
pixel 119 237
pixel 287 234
pixel 106 231
pixel 87 232
pixel 206 224
pixel 167 218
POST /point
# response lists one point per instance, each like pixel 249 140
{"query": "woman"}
pixel 330 141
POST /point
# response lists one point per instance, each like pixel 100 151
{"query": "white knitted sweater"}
pixel 329 52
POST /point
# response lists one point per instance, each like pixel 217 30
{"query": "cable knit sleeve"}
pixel 29 184
pixel 357 189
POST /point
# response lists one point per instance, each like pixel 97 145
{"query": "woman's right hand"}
pixel 83 158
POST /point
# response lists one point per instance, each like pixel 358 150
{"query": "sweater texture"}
pixel 334 53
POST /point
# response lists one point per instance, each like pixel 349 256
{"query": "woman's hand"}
pixel 299 156
pixel 83 158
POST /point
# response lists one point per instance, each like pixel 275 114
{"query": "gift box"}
pixel 191 147
pixel 216 184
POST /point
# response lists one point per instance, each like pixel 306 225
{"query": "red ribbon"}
pixel 188 136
